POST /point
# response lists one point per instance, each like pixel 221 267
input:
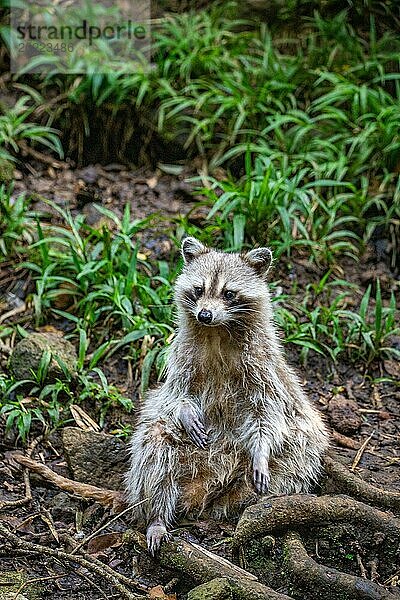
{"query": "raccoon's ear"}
pixel 192 248
pixel 260 259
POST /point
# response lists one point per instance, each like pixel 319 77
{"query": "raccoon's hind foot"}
pixel 156 534
pixel 261 476
pixel 193 425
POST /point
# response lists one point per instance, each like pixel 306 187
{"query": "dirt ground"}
pixel 361 406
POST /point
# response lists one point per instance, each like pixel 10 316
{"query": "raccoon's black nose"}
pixel 205 316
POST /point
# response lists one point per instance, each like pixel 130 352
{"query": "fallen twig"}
pixel 6 504
pixel 13 312
pixel 361 451
pixel 29 582
pixel 97 531
pixel 48 160
pixel 108 498
pixel 363 570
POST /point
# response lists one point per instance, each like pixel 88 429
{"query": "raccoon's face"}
pixel 220 289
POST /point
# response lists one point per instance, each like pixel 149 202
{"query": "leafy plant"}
pixel 26 402
pixel 99 281
pixel 328 327
pixel 15 128
pixel 276 204
pixel 370 331
pixel 16 223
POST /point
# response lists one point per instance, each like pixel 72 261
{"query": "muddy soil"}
pixel 369 410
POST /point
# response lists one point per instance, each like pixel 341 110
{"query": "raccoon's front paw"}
pixel 193 425
pixel 261 474
pixel 156 534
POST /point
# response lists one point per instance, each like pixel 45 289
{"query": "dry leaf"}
pixel 158 592
pixel 104 541
pixel 82 419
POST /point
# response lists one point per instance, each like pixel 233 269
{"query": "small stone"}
pixel 63 507
pixel 89 174
pixel 96 458
pixel 28 353
pixel 344 414
pixel 216 589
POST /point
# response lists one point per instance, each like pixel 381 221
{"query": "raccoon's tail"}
pixel 152 476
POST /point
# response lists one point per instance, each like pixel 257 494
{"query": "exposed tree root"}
pixel 48 160
pixel 203 566
pixel 326 582
pixel 276 515
pixel 28 492
pixel 345 481
pixel 108 498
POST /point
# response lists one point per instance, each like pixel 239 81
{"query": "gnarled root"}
pixel 345 481
pixel 326 582
pixel 276 515
pixel 202 566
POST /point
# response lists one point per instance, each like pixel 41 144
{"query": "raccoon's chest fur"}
pixel 219 385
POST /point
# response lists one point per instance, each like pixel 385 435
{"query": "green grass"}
pixel 287 208
pixel 16 223
pixel 327 325
pixel 25 402
pixel 16 127
pixel 103 284
pixel 321 103
pixel 117 301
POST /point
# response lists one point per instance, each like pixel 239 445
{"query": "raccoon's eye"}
pixel 229 295
pixel 198 291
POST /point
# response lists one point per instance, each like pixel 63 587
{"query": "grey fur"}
pixel 231 413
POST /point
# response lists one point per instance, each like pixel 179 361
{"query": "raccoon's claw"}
pixel 198 434
pixel 261 481
pixel 155 535
pixel 193 426
pixel 261 473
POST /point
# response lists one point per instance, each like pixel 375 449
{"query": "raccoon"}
pixel 231 417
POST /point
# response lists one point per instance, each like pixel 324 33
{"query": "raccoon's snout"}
pixel 205 316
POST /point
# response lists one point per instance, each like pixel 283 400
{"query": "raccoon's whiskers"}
pixel 189 305
pixel 244 309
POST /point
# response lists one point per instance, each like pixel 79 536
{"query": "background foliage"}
pixel 295 121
